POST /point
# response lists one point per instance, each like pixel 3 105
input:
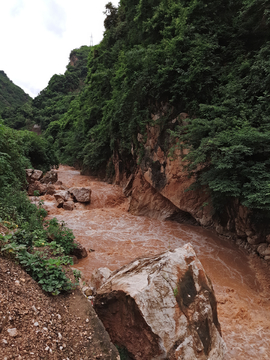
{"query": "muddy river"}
pixel 240 280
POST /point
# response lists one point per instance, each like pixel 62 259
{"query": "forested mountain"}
pixel 208 59
pixel 11 95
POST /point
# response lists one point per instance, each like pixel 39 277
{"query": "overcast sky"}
pixel 38 35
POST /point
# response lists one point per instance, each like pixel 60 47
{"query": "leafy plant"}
pixel 60 234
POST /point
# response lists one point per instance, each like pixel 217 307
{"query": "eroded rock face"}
pixel 162 307
pixel 145 200
pixel 81 194
pixel 164 171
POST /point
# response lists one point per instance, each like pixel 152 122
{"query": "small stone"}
pixel 59 316
pixel 17 283
pixel 36 323
pixel 60 336
pixel 22 280
pixel 4 341
pixel 89 291
pixel 262 248
pixel 45 329
pixel 12 332
pixel 87 320
pixel 254 240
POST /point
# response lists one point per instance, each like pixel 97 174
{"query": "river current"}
pixel 241 281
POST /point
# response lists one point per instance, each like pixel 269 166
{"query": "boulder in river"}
pixel 50 177
pixel 36 186
pixel 61 196
pixel 162 307
pixel 68 205
pixel 33 175
pixel 80 251
pixel 81 194
pixel 50 189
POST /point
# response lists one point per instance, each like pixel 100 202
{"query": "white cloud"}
pixel 38 35
pixel 17 8
pixel 55 18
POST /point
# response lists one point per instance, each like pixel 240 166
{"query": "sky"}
pixel 37 37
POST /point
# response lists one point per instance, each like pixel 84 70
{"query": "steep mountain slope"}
pixel 159 59
pixel 198 72
pixel 11 95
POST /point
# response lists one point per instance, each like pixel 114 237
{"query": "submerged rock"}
pixel 162 307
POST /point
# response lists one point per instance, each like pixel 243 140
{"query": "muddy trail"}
pixel 240 280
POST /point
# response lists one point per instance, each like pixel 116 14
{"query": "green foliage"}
pixel 20 150
pixel 208 59
pixel 42 258
pixel 61 235
pixel 11 95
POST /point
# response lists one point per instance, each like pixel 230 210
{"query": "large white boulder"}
pixel 162 307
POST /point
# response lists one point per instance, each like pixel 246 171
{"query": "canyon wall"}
pixel 160 188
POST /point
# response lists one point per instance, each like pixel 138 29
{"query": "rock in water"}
pixel 81 194
pixel 50 177
pixel 80 251
pixel 36 186
pixel 162 307
pixel 69 205
pixel 61 196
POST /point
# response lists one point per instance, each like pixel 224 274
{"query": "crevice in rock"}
pixel 183 217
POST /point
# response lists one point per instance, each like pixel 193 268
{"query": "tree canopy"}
pixel 206 58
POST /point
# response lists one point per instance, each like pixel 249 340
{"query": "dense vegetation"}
pixel 11 95
pixel 206 58
pixel 40 246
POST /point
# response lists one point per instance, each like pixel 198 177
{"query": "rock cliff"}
pixel 160 188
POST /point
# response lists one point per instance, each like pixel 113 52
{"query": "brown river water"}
pixel 241 281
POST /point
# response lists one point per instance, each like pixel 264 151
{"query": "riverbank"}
pixel 240 280
pixel 34 325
